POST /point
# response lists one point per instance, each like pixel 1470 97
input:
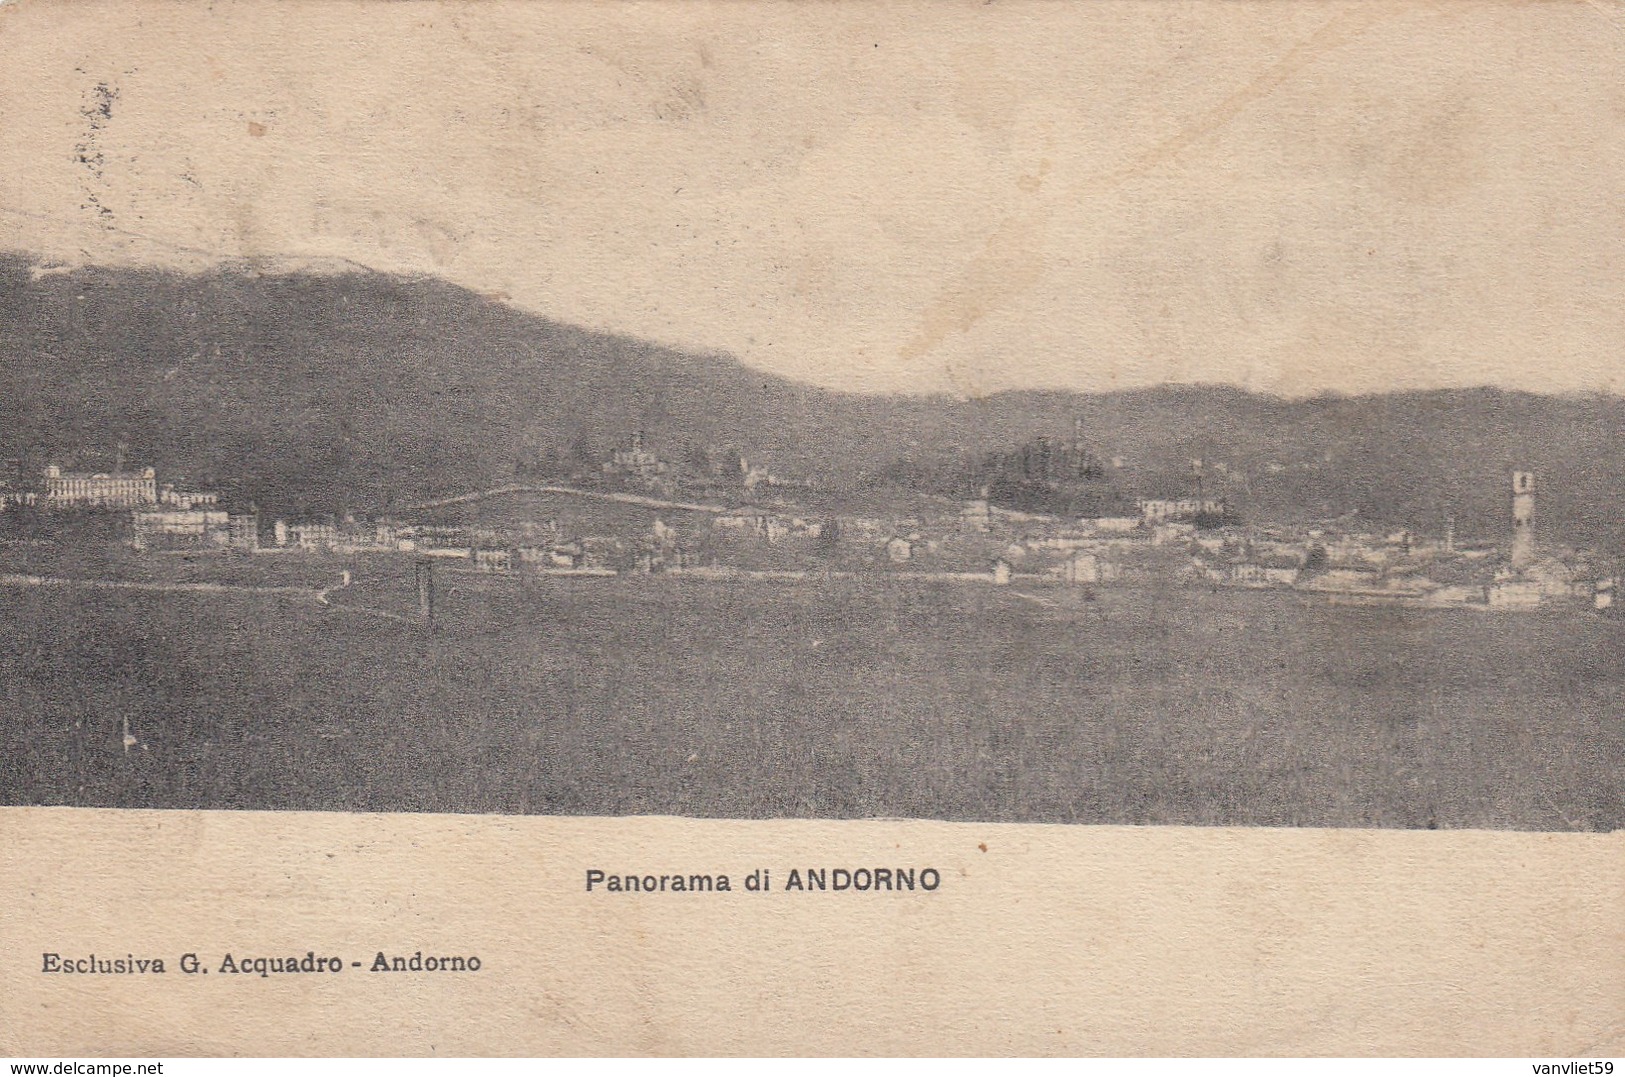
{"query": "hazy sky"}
pixel 1286 196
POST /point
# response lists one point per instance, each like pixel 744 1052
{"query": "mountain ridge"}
pixel 327 392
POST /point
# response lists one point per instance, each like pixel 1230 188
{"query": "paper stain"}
pixel 1436 159
pixel 1337 31
pixel 1010 262
pixel 1031 182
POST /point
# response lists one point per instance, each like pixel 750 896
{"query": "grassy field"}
pixel 825 699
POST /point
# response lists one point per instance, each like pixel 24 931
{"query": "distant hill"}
pixel 306 392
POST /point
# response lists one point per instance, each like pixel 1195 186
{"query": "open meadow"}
pixel 820 698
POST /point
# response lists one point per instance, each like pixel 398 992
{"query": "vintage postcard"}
pixel 862 528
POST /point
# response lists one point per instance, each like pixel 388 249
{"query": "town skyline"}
pixel 1046 511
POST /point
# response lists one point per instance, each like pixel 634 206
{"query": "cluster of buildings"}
pixel 636 465
pixel 1168 540
pixel 161 516
pixel 767 525
pixel 634 461
pixel 1156 510
pixel 1398 567
pixel 533 547
pixel 1177 541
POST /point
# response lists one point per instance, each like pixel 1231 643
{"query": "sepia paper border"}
pixel 1039 940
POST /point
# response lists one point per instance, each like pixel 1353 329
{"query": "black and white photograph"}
pixel 863 529
pixel 515 410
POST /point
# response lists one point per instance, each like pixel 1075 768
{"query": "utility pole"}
pixel 424 572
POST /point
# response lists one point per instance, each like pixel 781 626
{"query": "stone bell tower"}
pixel 1523 518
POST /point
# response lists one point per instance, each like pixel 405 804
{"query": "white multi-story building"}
pixel 119 490
pixel 174 528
